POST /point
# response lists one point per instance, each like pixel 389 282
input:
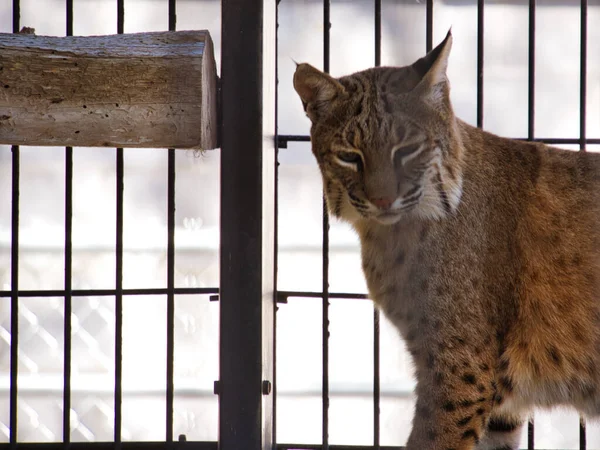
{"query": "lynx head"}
pixel 386 139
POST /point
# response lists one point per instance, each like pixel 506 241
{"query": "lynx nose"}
pixel 382 202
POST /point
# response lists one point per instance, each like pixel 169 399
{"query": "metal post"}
pixel 247 224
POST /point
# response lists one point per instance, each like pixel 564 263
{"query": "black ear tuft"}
pixel 436 60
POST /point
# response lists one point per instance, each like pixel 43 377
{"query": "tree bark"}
pixel 151 90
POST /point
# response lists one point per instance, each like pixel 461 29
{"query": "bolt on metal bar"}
pixel 480 26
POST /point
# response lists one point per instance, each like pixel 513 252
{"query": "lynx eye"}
pixel 400 153
pixel 349 157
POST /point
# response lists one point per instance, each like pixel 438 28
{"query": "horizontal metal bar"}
pixel 179 445
pixel 282 296
pixel 336 447
pixel 333 447
pixel 282 140
pixel 108 292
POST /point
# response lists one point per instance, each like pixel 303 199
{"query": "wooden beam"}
pixel 156 90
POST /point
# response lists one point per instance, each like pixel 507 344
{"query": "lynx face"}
pixel 384 140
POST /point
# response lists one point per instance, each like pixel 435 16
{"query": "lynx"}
pixel 483 251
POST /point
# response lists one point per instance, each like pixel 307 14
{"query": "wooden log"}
pixel 154 90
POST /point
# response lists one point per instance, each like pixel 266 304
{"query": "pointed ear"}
pixel 316 90
pixel 432 69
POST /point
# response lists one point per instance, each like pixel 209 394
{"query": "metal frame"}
pixel 119 293
pixel 283 140
pixel 247 386
pixel 247 225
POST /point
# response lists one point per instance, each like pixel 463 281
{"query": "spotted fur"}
pixel 483 251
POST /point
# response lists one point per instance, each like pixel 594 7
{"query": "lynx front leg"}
pixel 452 409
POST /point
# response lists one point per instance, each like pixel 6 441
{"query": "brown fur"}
pixel 491 276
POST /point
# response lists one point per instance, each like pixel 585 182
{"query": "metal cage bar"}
pixel 170 387
pixel 376 314
pixel 325 258
pixel 283 139
pixel 480 61
pixel 247 217
pixel 247 408
pixel 68 298
pixel 120 188
pixel 531 137
pixel 14 294
pixel 14 270
pixel 582 138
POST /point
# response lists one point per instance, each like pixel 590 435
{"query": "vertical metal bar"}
pixel 170 294
pixel 376 337
pixel 376 381
pixel 276 221
pixel 14 296
pixel 325 304
pixel 68 294
pixel 120 175
pixel 530 435
pixel 120 16
pixel 172 15
pixel 377 33
pixel 531 136
pixel 14 270
pixel 170 269
pixel 429 26
pixel 583 75
pixel 246 238
pixel 583 136
pixel 68 268
pixel 16 15
pixel 531 90
pixel 480 23
pixel 69 11
pixel 119 299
